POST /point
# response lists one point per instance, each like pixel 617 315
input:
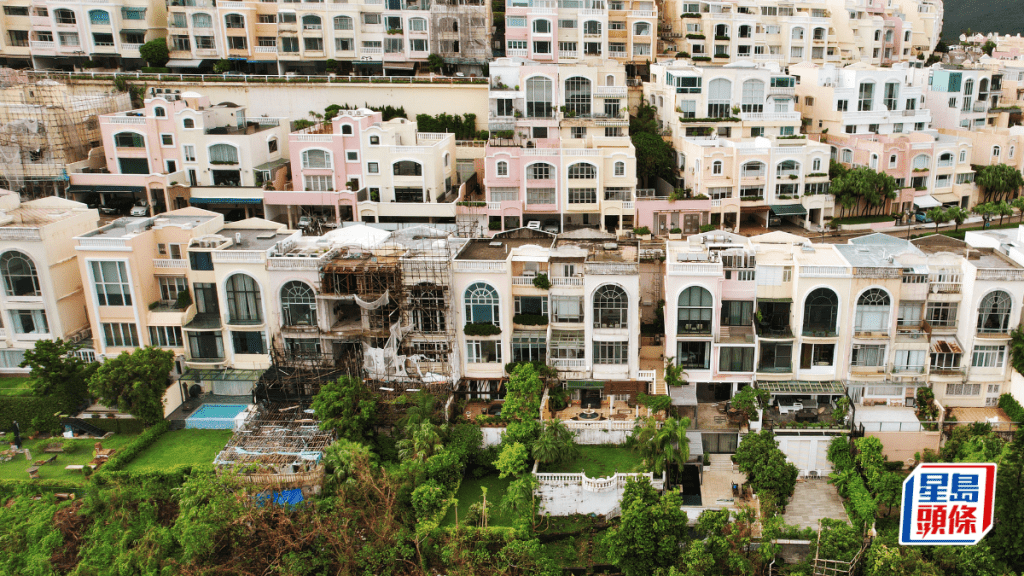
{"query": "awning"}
pixel 585 384
pixel 777 300
pixel 80 189
pixel 175 63
pixel 273 164
pixel 926 201
pixel 789 210
pixel 683 395
pixel 400 65
pixel 225 201
pixel 132 30
pixel 375 63
pixel 946 345
pixel 802 387
pixel 947 198
pixel 199 375
pixel 696 443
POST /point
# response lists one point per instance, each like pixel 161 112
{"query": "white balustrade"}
pixel 41 45
pixel 266 49
pixel 240 256
pixel 494 205
pixel 567 281
pixel 627 205
pixel 824 271
pixel 20 234
pixel 313 138
pixel 126 120
pixel 170 263
pixel 693 269
pixel 480 266
pixel 567 363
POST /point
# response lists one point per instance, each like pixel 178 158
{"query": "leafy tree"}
pixel 767 470
pixel 155 52
pixel 957 215
pixel 1003 209
pixel 654 156
pixel 523 395
pixel 939 216
pixel 1018 204
pixel 58 373
pixel 724 546
pixel 513 460
pixel 520 497
pixel 135 382
pixel 839 540
pixel 988 47
pixel 223 65
pixel 652 530
pixel 420 409
pixel 555 444
pixel 986 211
pixel 346 406
pixel 999 181
pixel 889 489
pixel 751 400
pixel 340 459
pixel 1007 538
pixel 435 62
pixel 424 440
pixel 862 189
pixel 1017 349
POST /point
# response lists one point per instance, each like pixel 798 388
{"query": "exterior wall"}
pixel 968 90
pixel 902 446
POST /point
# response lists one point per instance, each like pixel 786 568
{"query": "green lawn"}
pixel 470 493
pixel 17 469
pixel 600 461
pixel 15 386
pixel 179 447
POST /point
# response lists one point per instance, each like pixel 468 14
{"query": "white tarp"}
pixel 926 201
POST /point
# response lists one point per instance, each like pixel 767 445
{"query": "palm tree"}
pixel 663 448
pixel 421 409
pixel 423 441
pixel 938 215
pixel 957 215
pixel 555 444
pixel 1003 209
pixel 1018 203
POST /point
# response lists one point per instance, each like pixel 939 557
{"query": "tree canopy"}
pixel 654 156
pixel 155 52
pixel 58 373
pixel 135 382
pixel 346 406
pixel 998 181
pixel 652 530
pixel 765 465
pixel 861 190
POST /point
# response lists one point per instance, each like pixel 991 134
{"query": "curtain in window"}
pixel 538 98
pixel 243 295
pixel 753 96
pixel 202 21
pixel 224 153
pixel 873 311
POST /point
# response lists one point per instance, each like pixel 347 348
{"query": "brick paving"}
pixel 813 500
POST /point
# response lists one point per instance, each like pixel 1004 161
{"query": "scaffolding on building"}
pixel 390 323
pixel 48 129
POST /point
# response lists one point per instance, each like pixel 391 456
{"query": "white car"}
pixel 140 210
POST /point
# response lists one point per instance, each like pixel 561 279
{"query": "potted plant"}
pixel 675 234
pixel 642 232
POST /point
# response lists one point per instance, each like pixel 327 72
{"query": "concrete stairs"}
pixel 721 463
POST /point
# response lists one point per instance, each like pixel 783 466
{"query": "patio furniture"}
pixel 46 461
pixel 807 415
pixel 75 468
pixel 33 473
pixel 789 406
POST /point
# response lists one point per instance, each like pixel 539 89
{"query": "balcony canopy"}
pixel 796 387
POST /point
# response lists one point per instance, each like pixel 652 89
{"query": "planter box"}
pixel 672 236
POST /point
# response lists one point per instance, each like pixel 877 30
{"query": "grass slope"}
pixel 179 447
pixel 600 461
pixel 17 469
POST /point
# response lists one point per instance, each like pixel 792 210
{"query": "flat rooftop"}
pixel 119 228
pixel 977 257
pixel 253 239
pixel 27 217
pixel 497 248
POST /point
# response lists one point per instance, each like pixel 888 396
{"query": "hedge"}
pixel 530 319
pixel 122 457
pixel 24 409
pixel 482 329
pixel 860 505
pixel 170 477
pixel 118 425
pixel 1012 408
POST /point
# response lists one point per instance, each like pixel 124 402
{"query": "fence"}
pixel 597 485
pixel 259 78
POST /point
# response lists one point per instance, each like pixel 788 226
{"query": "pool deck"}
pixel 177 418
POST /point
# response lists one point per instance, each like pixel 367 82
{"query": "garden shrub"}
pixel 28 409
pixel 1012 408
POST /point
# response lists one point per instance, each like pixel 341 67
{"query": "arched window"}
pixel 820 312
pixel 695 309
pixel 539 98
pixel 234 21
pixel 722 30
pixel 482 304
pixel 224 154
pixel 787 168
pixel 346 129
pixel 101 17
pixel 745 31
pixel 129 140
pixel 716 167
pixel 245 305
pixel 298 304
pixel 342 22
pixel 819 33
pixel 447 159
pixel 542 26
pixel 945 159
pixel 753 96
pixel 983 89
pixel 407 168
pixel 873 311
pixel 874 161
pixel 611 305
pixel 642 29
pixel 1012 150
pixel 922 162
pixel 19 274
pixel 311 22
pixel 752 169
pixel 577 96
pixel 609 80
pixel 316 159
pixel 65 16
pixel 798 33
pixel 159 112
pixel 581 171
pixel 620 168
pixel 996 151
pixel 502 168
pixel 202 21
pixel 188 123
pixel 888 36
pixel 994 313
pixel 540 172
pixel 719 98
pixel 893 161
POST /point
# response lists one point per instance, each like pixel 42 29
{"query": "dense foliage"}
pixel 861 190
pixel 652 530
pixel 57 373
pixel 346 406
pixel 768 472
pixel 135 382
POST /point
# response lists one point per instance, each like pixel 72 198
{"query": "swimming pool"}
pixel 215 416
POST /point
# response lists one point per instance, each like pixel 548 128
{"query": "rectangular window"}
pixel 120 335
pixel 776 357
pixel 515 22
pixel 582 195
pixel 909 312
pixel 237 43
pixel 392 45
pixel 169 336
pixel 842 105
pixel 611 352
pixel 267 19
pixel 418 45
pixel 909 361
pixel 205 43
pixel 693 354
pixel 23 11
pixel 248 342
pixel 372 168
pixel 18 37
pixel 189 152
pixel 313 44
pixel 167 139
pixel 737 313
pixel 867 355
pixel 29 321
pixel 988 356
pixel 483 351
pixel 817 355
pixel 542 47
pixel 540 132
pixel 941 314
pixel 732 359
pixel 200 261
pixel 688 108
pixel 566 23
pixel 289 44
pixel 963 389
pixel 303 347
pixel 504 194
pixel 540 195
pixel 318 183
pixel 171 286
pixel 112 283
pixel 530 347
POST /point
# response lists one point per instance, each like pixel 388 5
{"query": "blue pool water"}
pixel 215 416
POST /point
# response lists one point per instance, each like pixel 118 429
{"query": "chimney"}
pixel 238 238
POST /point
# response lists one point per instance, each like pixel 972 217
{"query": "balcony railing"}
pixel 567 281
pixel 41 45
pixel 170 263
pixel 999 275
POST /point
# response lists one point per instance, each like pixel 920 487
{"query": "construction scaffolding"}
pixel 390 307
pixel 279 444
pixel 48 129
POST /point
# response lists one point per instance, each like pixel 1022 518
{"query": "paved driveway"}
pixel 813 500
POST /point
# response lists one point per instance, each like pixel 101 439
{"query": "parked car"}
pixel 551 226
pixel 115 207
pixel 305 221
pixel 141 208
pixel 921 216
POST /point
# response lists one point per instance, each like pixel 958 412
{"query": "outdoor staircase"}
pixel 83 427
pixel 721 463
